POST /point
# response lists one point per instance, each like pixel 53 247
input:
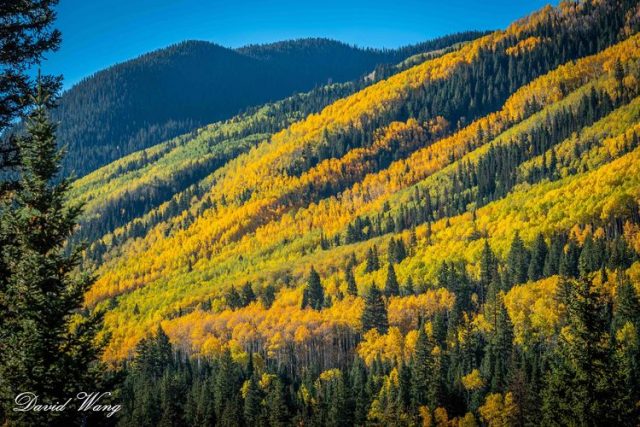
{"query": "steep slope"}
pixel 174 90
pixel 429 133
pixel 134 193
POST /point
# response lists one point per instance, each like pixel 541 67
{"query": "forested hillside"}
pixel 455 242
pixel 126 198
pixel 175 90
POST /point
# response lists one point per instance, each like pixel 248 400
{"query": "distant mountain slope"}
pixel 165 93
pixel 441 156
pixel 131 194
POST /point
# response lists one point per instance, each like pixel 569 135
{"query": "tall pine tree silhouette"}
pixel 48 340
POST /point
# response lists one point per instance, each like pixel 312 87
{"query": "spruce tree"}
pixel 404 387
pixel 340 412
pixel 569 260
pixel 372 260
pixel 497 356
pixel 585 383
pixel 253 403
pixel 552 261
pixel 517 261
pixel 171 395
pixel 391 250
pixel 352 288
pixel 626 326
pixel 233 298
pixel 361 396
pixel 268 296
pixel 423 370
pixel 48 339
pixel 391 287
pixel 154 355
pixel 248 296
pixel 408 287
pixel 538 256
pixel 374 315
pixel 396 251
pixel 313 295
pixel 276 403
pixel 225 386
pixel 488 271
pixel 587 261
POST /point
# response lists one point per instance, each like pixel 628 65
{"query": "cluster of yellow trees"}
pixel 286 327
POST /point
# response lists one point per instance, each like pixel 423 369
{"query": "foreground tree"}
pixel 585 382
pixel 48 342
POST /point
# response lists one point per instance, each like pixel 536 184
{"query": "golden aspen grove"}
pixel 452 241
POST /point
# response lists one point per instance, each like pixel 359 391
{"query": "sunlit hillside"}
pixel 461 200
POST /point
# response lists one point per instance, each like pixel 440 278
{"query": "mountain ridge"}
pixel 176 89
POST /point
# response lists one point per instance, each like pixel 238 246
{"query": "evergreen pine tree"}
pixel 253 403
pixel 391 250
pixel 408 287
pixel 233 298
pixel 391 287
pixel 48 341
pixel 276 403
pixel 374 315
pixel 339 412
pixel 399 252
pixel 314 292
pixel 352 288
pixel 552 261
pixel 517 261
pixel 225 387
pixel 248 296
pixel 569 260
pixel 626 326
pixel 404 388
pixel 587 261
pixel 154 354
pixel 585 384
pixel 488 271
pixel 358 382
pixel 423 365
pixel 372 260
pixel 538 256
pixel 497 356
pixel 268 295
pixel 27 35
pixel 171 394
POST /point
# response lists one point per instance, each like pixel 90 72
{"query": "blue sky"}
pixel 99 33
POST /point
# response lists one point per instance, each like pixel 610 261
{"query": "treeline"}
pixel 455 374
pixel 177 89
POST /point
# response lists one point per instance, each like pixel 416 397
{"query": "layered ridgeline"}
pixel 124 199
pixel 174 90
pixel 461 237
